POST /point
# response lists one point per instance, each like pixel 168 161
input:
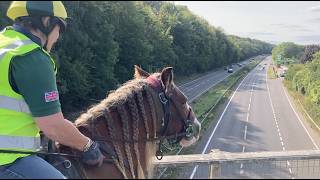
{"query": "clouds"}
pixel 291 27
pixel 314 20
pixel 257 33
pixel 309 38
pixel 279 21
pixel 314 9
pixel 261 33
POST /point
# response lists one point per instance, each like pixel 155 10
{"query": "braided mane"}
pixel 132 103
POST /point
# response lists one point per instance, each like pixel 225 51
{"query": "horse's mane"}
pixel 130 96
pixel 113 100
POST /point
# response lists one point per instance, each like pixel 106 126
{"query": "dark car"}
pixel 282 74
pixel 225 68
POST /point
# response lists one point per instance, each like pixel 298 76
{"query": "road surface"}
pixel 259 117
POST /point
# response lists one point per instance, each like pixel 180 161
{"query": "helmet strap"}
pixel 45 30
pixel 45 45
pixel 37 22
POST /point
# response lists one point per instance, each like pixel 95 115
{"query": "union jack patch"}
pixel 51 96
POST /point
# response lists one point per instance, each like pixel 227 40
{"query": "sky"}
pixel 270 21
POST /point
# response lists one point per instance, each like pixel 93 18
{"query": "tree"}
pixel 105 39
pixel 287 50
pixel 309 51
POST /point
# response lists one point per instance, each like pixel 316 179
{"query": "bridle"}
pixel 166 101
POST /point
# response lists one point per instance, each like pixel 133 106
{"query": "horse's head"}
pixel 179 122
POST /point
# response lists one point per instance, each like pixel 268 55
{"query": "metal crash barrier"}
pixel 268 164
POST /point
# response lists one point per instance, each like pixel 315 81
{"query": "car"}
pixel 225 68
pixel 239 64
pixel 282 74
pixel 230 70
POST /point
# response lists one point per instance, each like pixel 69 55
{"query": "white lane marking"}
pixel 315 145
pixel 245 133
pixel 241 166
pixel 197 85
pixel 246 126
pixel 215 128
pixel 212 73
pixel 192 99
pixel 191 88
pixel 248 114
pixel 275 119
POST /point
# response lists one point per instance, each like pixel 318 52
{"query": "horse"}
pixel 131 125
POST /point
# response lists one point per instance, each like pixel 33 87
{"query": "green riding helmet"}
pixel 54 9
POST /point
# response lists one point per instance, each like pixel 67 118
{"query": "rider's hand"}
pixel 93 155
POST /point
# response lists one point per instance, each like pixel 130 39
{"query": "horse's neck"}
pixel 141 116
pixel 136 155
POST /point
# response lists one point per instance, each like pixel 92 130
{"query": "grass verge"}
pixel 310 110
pixel 272 74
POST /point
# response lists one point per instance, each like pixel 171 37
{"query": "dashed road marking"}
pixel 246 126
pixel 278 129
pixel 215 128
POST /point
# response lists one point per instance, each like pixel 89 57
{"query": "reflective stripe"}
pixel 14 45
pixel 18 142
pixel 14 104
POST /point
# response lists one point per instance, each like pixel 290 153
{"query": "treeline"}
pixel 288 53
pixel 247 47
pixel 303 74
pixel 105 39
pixel 305 78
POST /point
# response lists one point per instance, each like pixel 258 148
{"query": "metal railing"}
pixel 269 164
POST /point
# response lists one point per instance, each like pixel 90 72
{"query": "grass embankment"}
pixel 310 110
pixel 272 72
pixel 207 108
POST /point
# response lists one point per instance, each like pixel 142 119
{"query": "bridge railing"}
pixel 269 164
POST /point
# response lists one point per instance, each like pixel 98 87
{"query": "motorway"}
pixel 197 87
pixel 258 117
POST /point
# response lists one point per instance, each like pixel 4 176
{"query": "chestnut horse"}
pixel 129 124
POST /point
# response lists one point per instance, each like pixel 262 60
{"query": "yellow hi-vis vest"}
pixel 18 130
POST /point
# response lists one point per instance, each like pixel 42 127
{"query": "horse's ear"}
pixel 167 76
pixel 140 73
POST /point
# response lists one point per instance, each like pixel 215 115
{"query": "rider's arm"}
pixel 63 131
pixel 33 77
